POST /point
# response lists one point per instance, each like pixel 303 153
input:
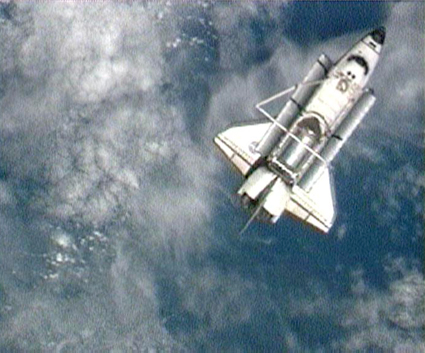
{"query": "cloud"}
pixel 389 320
pixel 98 130
pixel 401 196
pixel 341 231
pixel 101 164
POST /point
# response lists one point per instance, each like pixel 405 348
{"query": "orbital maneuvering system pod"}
pixel 286 159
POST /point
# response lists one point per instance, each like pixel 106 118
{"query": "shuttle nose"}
pixel 378 35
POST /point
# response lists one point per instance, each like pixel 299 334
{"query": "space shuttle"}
pixel 286 158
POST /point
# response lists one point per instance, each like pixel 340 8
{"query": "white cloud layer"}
pixel 91 134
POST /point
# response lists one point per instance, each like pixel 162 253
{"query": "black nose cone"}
pixel 378 35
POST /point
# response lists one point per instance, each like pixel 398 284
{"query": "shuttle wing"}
pixel 315 207
pixel 238 144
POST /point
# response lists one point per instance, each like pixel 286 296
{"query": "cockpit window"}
pixel 359 60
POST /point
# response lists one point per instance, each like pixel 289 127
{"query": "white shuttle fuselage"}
pixel 286 159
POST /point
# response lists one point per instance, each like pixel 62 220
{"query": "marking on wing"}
pixel 239 151
pixel 303 200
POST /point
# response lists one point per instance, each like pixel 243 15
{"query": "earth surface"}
pixel 118 220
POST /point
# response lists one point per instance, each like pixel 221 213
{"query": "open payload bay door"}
pixel 315 207
pixel 238 144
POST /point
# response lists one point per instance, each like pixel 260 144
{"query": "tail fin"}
pixel 254 215
pixel 261 202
